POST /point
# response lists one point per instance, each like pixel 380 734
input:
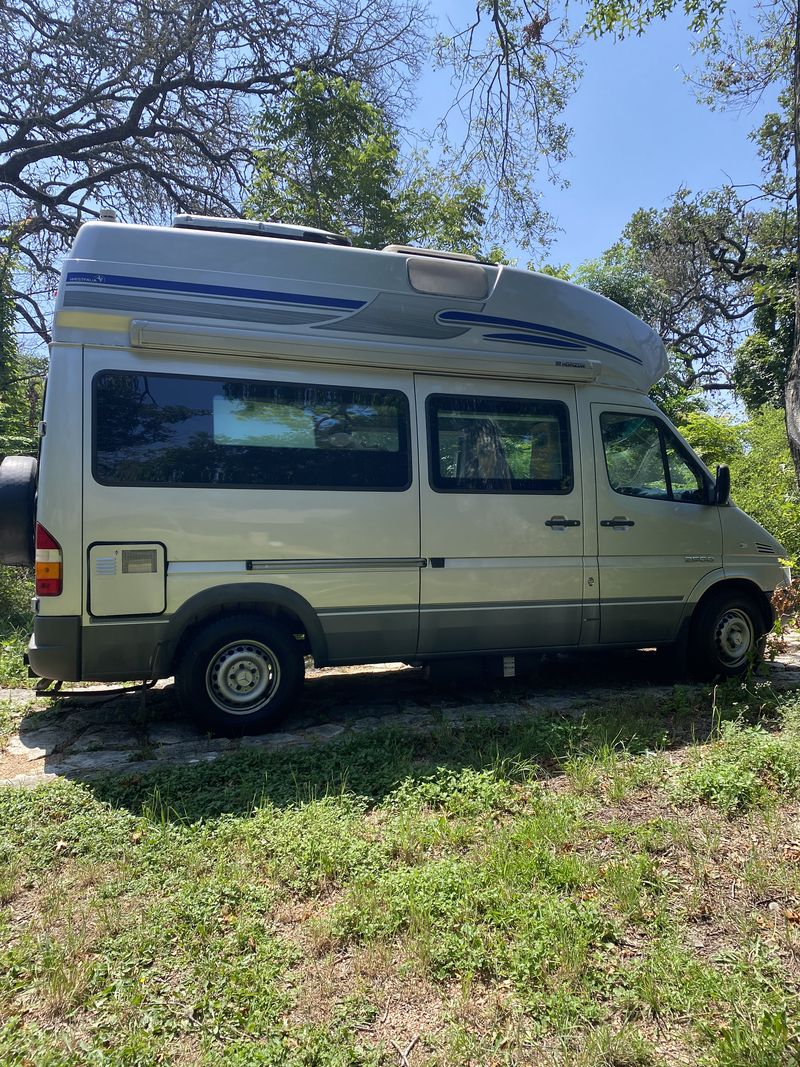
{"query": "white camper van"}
pixel 260 444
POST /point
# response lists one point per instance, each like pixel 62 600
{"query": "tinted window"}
pixel 485 444
pixel 644 458
pixel 158 429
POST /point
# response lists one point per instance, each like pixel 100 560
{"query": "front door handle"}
pixel 617 521
pixel 560 521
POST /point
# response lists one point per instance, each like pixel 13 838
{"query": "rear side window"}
pixel 480 444
pixel 644 458
pixel 161 429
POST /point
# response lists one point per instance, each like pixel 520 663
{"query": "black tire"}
pixel 728 636
pixel 17 510
pixel 240 674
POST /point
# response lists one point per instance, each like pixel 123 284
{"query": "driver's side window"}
pixel 644 459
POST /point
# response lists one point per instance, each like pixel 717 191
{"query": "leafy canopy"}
pixel 329 157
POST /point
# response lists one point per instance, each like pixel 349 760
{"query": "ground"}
pixel 592 867
pixel 87 735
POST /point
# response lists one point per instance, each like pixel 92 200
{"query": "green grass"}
pixel 16 622
pixel 620 889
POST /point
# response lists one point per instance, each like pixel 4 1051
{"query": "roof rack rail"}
pixel 252 228
pixel 409 250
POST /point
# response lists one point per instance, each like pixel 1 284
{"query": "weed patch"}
pixel 746 767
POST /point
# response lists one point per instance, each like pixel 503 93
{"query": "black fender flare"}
pixel 211 602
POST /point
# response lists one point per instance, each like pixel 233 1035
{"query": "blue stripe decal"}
pixel 215 290
pixel 532 339
pixel 471 318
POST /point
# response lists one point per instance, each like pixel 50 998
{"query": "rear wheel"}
pixel 727 636
pixel 240 674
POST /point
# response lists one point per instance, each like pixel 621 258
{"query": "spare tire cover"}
pixel 17 510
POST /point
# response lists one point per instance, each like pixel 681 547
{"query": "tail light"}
pixel 49 563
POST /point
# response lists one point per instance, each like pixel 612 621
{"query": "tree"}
pixel 621 277
pixel 514 66
pixel 329 157
pixel 326 157
pixel 149 107
pixel 20 379
pixel 740 66
pixel 704 253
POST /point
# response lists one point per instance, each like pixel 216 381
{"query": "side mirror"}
pixel 722 486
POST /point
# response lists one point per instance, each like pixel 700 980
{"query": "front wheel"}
pixel 727 637
pixel 240 674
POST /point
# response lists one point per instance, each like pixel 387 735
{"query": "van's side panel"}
pixel 503 571
pixel 353 555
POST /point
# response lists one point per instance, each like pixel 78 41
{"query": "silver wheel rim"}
pixel 734 637
pixel 243 677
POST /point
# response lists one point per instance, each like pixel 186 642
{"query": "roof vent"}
pixel 252 228
pixel 107 214
pixel 441 277
pixel 409 251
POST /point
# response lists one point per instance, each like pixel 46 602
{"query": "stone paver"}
pixel 84 737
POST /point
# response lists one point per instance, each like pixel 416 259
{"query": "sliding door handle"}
pixel 617 521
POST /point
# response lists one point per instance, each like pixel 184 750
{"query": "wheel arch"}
pixel 273 601
pixel 734 584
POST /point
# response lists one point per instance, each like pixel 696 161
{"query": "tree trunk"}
pixel 793 374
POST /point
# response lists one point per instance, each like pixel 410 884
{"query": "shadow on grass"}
pixel 372 764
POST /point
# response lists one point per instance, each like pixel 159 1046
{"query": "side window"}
pixel 160 429
pixel 480 444
pixel 643 458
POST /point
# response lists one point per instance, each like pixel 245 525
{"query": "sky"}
pixel 639 135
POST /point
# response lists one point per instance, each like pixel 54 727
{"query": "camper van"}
pixel 260 444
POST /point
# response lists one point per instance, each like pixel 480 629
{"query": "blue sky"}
pixel 639 134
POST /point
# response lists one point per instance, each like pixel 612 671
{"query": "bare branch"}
pixel 149 107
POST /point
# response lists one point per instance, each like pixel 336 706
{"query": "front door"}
pixel 657 533
pixel 501 515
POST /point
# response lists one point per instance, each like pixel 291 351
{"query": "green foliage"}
pixel 763 481
pixel 330 158
pixel 770 1041
pixel 20 380
pixel 469 792
pixel 762 474
pixel 16 593
pixel 677 400
pixel 434 208
pixel 761 362
pixel 714 438
pixel 327 158
pixel 746 768
pixel 759 372
pixel 620 276
pixel 16 620
pixel 625 17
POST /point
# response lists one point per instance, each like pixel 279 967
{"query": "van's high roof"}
pixel 236 286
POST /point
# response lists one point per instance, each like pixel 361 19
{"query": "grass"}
pixel 16 623
pixel 621 889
